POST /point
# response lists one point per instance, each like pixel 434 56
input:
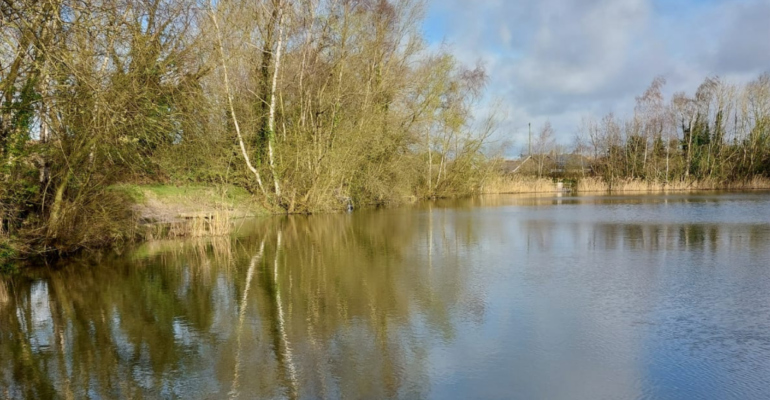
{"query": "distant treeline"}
pixel 721 134
pixel 310 105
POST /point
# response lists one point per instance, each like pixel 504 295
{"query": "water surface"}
pixel 664 297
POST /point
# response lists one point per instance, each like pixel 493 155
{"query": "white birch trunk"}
pixel 689 148
pixel 230 102
pixel 271 118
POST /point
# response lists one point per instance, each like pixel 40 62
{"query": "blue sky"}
pixel 560 60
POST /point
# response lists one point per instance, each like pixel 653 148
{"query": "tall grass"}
pixel 217 223
pixel 637 185
pixel 518 184
pixel 208 224
pixel 530 184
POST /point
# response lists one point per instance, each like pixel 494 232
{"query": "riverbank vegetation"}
pixel 296 107
pixel 307 106
pixel 720 134
pixel 718 138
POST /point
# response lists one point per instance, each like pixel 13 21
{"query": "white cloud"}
pixel 558 60
pixel 505 35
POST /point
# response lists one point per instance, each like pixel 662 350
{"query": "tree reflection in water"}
pixel 476 297
pixel 328 306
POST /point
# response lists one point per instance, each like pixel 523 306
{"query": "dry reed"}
pixel 215 223
pixel 530 184
pixel 518 184
pixel 637 185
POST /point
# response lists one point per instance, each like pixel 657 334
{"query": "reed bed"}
pixel 637 185
pixel 530 184
pixel 518 184
pixel 210 224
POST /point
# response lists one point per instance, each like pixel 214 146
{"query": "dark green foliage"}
pixel 8 255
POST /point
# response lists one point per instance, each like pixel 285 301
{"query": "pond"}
pixel 496 297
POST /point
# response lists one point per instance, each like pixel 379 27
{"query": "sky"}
pixel 562 60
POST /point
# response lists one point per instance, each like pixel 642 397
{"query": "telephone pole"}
pixel 529 146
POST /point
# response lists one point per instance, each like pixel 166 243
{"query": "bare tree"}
pixel 543 146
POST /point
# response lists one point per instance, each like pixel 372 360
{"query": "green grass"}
pixel 133 192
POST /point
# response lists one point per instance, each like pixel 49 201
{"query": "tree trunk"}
pixel 668 149
pixel 55 217
pixel 230 102
pixel 689 147
pixel 430 163
pixel 271 118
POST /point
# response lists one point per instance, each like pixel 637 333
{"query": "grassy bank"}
pixel 130 213
pixel 168 203
pixel 165 211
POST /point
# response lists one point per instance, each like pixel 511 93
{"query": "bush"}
pixel 99 219
pixel 8 256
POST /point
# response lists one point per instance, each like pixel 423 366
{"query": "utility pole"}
pixel 529 146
